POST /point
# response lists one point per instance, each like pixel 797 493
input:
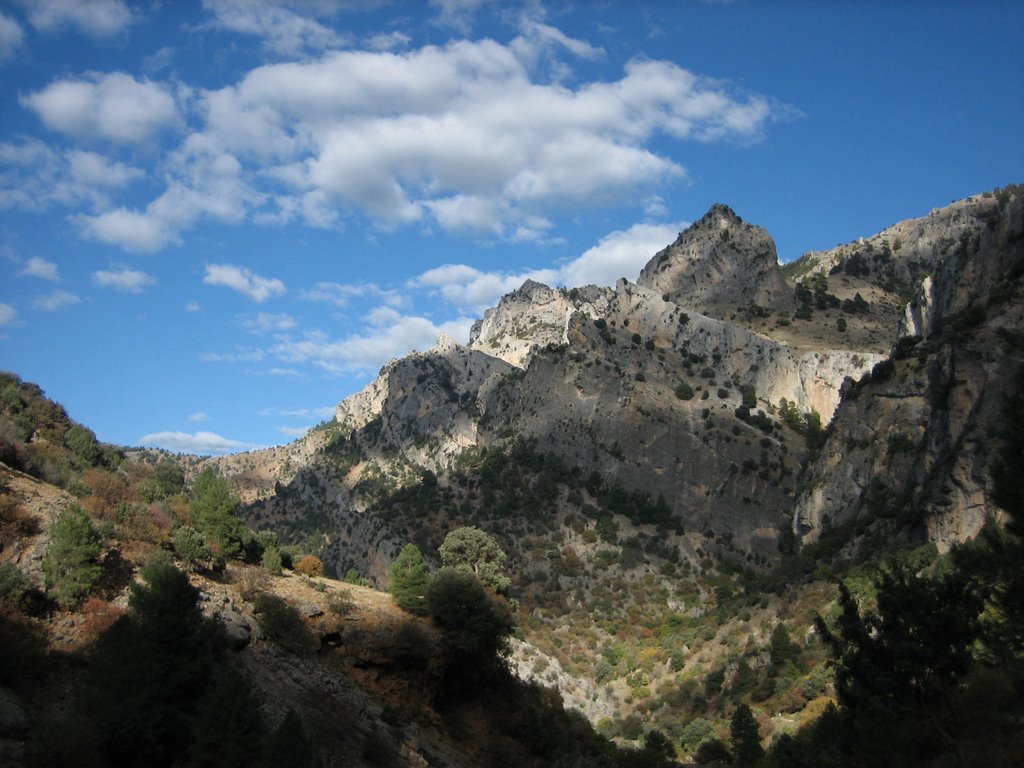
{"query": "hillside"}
pixel 684 472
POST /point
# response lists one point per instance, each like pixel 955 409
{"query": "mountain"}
pixel 681 472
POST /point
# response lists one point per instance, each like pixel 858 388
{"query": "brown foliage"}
pixel 98 616
pixel 310 565
pixel 108 491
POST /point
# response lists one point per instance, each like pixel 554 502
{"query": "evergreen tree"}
pixel 215 512
pixel 70 564
pixel 745 737
pixel 228 729
pixel 149 670
pixel 475 551
pixel 781 645
pixel 289 744
pixel 410 580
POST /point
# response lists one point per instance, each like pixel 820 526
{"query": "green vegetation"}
pixel 215 512
pixel 71 564
pixel 474 551
pixel 410 579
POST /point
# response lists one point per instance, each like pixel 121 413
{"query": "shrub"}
pixel 311 566
pixel 190 547
pixel 410 580
pixel 12 584
pixel 283 624
pixel 70 565
pixel 271 561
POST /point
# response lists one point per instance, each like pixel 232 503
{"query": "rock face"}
pixel 719 262
pixel 914 440
pixel 662 387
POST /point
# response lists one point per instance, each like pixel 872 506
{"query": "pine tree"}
pixel 410 580
pixel 70 565
pixel 745 737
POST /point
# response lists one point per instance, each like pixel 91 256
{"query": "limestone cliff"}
pixel 912 440
pixel 717 263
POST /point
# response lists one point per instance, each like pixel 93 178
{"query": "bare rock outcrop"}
pixel 718 262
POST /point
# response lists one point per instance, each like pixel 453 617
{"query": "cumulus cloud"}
pixel 474 289
pixel 41 268
pixel 34 176
pixel 281 29
pixel 620 254
pixel 205 182
pixel 198 416
pixel 340 294
pixel 56 300
pixel 8 314
pixel 475 137
pixel 386 334
pixel 123 279
pixel 241 355
pixel 131 230
pixel 113 106
pixel 11 37
pixel 264 322
pixel 243 280
pixel 201 443
pixel 97 18
pixel 92 169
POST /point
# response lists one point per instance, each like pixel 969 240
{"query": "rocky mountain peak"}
pixel 717 263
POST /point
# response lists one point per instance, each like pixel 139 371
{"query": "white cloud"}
pixel 98 18
pixel 293 431
pixel 193 306
pixel 41 268
pixel 11 37
pixel 386 335
pixel 470 136
pixel 123 279
pixel 92 169
pixel 388 41
pixel 620 254
pixel 286 372
pixel 475 290
pixel 458 14
pixel 58 299
pixel 264 322
pixel 8 314
pixel 243 280
pixel 466 134
pixel 130 230
pixel 282 30
pixel 205 182
pixel 243 355
pixel 114 106
pixel 34 176
pixel 198 416
pixel 340 294
pixel 203 443
pixel 324 412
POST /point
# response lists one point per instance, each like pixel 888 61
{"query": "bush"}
pixel 311 566
pixel 12 584
pixel 271 561
pixel 190 547
pixel 283 624
pixel 410 580
pixel 477 627
pixel 70 564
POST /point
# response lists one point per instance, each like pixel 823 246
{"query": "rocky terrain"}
pixel 678 469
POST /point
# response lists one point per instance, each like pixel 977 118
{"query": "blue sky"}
pixel 219 218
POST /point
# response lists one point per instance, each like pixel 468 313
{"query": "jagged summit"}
pixel 717 263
